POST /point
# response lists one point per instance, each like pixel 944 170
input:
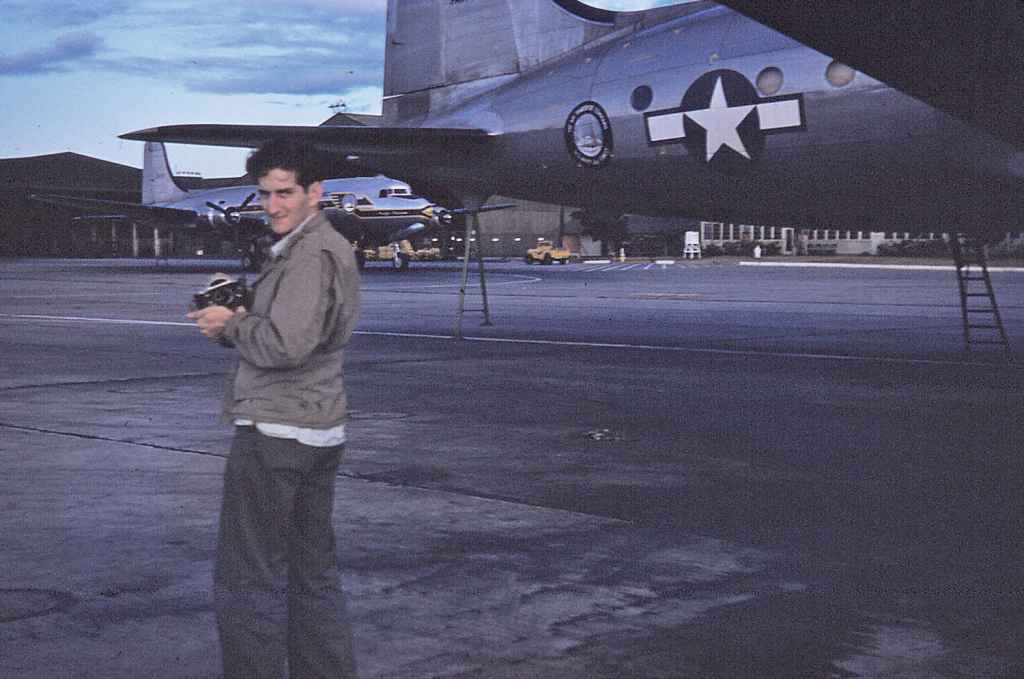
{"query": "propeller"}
pixel 232 215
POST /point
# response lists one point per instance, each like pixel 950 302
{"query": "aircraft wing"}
pixel 114 208
pixel 961 57
pixel 353 139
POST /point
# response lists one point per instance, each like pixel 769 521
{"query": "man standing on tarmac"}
pixel 277 593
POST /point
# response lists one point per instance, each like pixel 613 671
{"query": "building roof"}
pixel 67 171
pixel 365 119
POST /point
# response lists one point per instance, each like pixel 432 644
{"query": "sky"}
pixel 74 74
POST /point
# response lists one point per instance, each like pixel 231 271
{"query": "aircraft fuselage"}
pixel 671 121
pixel 383 207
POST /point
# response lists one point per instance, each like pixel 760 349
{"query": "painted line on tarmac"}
pixel 694 350
pixel 470 283
pixel 86 319
pixel 48 295
pixel 564 343
pixel 901 267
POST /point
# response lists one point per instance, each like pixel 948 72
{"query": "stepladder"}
pixel 981 321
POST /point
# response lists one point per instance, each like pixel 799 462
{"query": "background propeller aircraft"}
pixel 691 109
pixel 370 211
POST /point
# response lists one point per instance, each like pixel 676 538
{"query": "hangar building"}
pixel 28 228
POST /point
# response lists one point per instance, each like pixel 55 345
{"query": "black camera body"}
pixel 225 291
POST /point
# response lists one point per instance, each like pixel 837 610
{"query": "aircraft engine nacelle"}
pixel 223 217
pixel 232 216
pixel 227 215
pixel 443 217
pixel 343 203
pixel 213 218
pixel 341 208
pixel 347 203
pixel 408 232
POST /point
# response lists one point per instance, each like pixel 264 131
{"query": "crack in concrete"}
pixel 366 478
pixel 119 380
pixel 107 439
pixel 21 604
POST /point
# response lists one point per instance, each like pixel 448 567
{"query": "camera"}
pixel 222 290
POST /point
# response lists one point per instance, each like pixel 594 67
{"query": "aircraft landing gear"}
pixel 399 260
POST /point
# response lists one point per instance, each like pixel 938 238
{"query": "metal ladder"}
pixel 472 228
pixel 982 323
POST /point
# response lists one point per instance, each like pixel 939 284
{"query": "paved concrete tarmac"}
pixel 694 471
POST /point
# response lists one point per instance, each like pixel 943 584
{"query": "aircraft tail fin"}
pixel 440 52
pixel 158 185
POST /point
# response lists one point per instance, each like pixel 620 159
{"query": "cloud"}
pixel 68 49
pixel 263 21
pixel 288 47
pixel 286 81
pixel 264 47
pixel 306 72
pixel 333 7
pixel 355 34
pixel 61 13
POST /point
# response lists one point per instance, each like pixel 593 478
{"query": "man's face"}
pixel 285 202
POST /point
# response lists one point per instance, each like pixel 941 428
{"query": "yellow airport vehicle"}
pixel 545 252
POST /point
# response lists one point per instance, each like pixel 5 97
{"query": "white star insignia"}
pixel 721 121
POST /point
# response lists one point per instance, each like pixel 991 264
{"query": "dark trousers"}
pixel 277 593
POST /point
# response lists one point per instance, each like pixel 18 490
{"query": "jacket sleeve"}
pixel 290 331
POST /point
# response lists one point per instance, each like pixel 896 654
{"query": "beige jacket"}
pixel 290 343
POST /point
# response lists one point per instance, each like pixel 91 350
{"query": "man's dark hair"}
pixel 308 163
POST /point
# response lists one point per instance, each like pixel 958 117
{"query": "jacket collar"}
pixel 284 246
pixel 313 224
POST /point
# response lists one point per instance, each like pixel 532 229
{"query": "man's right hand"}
pixel 212 319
